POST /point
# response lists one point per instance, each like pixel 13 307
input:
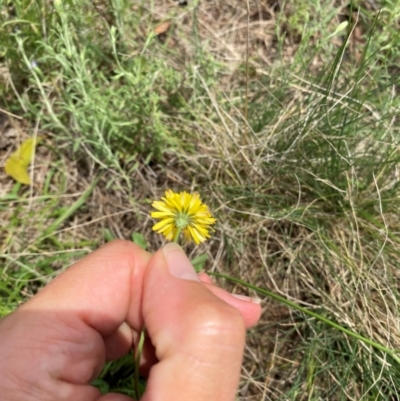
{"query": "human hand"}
pixel 55 344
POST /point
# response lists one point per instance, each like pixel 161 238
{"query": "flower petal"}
pixel 161 224
pixel 175 208
pixel 162 215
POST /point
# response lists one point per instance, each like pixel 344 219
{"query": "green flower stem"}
pixel 176 238
pixel 285 301
pixel 139 348
pixel 138 355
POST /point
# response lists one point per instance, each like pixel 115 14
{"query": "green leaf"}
pixel 68 212
pixel 101 385
pixel 342 26
pixel 138 239
pixel 108 236
pixel 199 261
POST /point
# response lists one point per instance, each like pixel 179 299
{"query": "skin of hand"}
pixel 55 344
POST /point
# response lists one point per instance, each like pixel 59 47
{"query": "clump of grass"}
pixel 312 191
pixel 93 83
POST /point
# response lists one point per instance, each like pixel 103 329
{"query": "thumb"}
pixel 198 338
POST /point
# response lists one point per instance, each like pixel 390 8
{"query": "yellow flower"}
pixel 182 212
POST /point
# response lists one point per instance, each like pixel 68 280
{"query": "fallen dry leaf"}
pixel 17 164
pixel 162 28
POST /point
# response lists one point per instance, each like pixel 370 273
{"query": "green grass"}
pixel 305 184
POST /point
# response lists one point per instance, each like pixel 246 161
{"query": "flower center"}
pixel 182 221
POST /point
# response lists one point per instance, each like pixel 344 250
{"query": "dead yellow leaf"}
pixel 17 164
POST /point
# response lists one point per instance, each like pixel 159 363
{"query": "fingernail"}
pixel 178 264
pixel 254 300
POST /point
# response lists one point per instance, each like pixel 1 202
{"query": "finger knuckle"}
pixel 216 319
